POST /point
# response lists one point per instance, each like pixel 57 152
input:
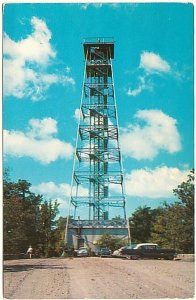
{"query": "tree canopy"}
pixel 28 219
pixel 171 225
pixel 141 223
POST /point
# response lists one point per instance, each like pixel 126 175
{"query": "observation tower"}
pixel 97 203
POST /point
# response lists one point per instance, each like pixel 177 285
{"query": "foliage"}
pixel 59 235
pixel 171 225
pixel 19 214
pixel 168 226
pixel 27 220
pixel 141 224
pixel 185 194
pixel 47 224
pixel 110 241
pixel 175 225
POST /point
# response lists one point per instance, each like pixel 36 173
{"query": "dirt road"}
pixel 97 278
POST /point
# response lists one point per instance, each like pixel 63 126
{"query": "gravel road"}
pixel 97 278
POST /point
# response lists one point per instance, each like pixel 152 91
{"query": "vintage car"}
pixel 145 250
pixel 103 251
pixel 82 251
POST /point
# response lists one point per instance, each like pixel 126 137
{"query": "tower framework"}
pixel 97 189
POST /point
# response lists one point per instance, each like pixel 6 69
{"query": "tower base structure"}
pixel 87 233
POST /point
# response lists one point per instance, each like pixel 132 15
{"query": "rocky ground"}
pixel 97 278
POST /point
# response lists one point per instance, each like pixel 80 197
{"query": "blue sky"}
pixel 153 74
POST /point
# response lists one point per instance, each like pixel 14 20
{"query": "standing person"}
pixel 30 251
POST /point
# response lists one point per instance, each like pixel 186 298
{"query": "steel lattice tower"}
pixel 97 179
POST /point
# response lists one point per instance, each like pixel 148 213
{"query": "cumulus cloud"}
pixel 35 48
pixel 154 183
pixel 60 192
pixel 143 85
pixel 153 132
pixel 25 64
pixel 42 129
pixel 51 190
pixel 150 63
pixel 38 142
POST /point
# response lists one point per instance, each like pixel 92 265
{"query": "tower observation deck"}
pixel 97 190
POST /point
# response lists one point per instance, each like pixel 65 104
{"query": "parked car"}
pixel 146 250
pixel 82 251
pixel 119 251
pixel 103 252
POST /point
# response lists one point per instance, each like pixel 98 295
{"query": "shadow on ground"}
pixel 28 267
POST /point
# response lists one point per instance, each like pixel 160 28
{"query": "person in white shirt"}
pixel 30 251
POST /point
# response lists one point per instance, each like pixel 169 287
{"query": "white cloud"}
pixel 77 115
pixel 42 128
pixel 152 62
pixel 60 192
pixel 154 183
pixel 38 142
pixel 66 80
pixel 35 48
pixel 26 61
pixel 157 132
pixel 52 191
pixel 143 85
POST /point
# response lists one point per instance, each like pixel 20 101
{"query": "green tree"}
pixel 185 194
pixel 110 241
pixel 27 219
pixel 141 223
pixel 168 226
pixel 174 226
pixel 59 235
pixel 19 215
pixel 13 231
pixel 47 224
